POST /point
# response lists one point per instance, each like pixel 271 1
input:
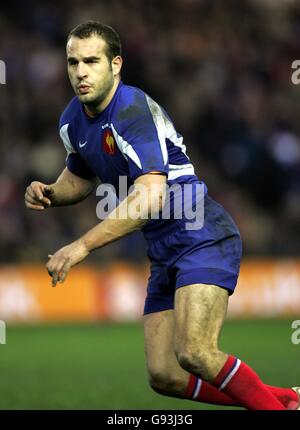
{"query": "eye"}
pixel 72 62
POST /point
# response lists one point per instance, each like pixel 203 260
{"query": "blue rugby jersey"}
pixel 131 137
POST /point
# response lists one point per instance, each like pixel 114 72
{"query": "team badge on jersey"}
pixel 109 144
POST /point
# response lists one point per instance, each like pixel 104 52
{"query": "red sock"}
pixel 242 384
pixel 202 391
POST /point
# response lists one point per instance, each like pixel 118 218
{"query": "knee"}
pixel 190 359
pixel 197 361
pixel 163 382
pixel 158 380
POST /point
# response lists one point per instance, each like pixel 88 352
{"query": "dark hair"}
pixel 91 28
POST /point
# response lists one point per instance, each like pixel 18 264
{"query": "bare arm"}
pixel 70 189
pixel 125 219
pixel 67 190
pixel 120 222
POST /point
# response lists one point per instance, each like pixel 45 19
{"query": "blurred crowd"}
pixel 221 69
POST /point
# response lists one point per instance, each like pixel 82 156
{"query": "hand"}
pixel 38 196
pixel 61 262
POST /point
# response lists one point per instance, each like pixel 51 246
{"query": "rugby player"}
pixel 110 130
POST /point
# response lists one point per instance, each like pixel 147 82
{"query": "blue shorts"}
pixel 182 257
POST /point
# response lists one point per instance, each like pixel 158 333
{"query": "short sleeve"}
pixel 74 161
pixel 141 137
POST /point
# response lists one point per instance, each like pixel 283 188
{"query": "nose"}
pixel 81 70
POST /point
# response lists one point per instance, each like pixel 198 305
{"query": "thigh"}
pixel 165 374
pixel 199 313
pixel 159 340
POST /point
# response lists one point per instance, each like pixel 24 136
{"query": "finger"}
pixel 64 272
pixel 35 207
pixel 53 266
pixel 54 270
pixel 29 197
pixel 32 200
pixel 53 274
pixel 31 193
pixel 50 255
pixel 37 191
pixel 46 201
pixel 54 278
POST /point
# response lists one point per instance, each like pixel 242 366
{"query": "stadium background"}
pixel 222 69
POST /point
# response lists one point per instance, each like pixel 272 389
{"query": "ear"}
pixel 117 65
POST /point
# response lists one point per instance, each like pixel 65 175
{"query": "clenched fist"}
pixel 38 196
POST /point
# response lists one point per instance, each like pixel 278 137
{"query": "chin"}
pixel 85 98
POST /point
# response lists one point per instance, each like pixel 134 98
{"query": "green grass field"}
pixel 103 367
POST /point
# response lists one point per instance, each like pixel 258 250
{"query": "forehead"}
pixel 88 47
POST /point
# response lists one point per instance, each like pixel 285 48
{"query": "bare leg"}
pixel 200 311
pixel 165 374
pixel 167 377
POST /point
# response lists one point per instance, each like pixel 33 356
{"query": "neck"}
pixel 93 111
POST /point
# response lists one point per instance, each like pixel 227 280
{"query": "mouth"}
pixel 83 88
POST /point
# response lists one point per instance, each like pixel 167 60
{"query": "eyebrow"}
pixel 92 58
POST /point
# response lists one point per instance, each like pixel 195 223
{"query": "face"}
pixel 91 74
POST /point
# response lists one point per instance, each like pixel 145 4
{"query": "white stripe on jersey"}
pixel 175 171
pixel 172 136
pixel 165 130
pixel 66 140
pixel 125 147
pixel 164 126
pixel 160 125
